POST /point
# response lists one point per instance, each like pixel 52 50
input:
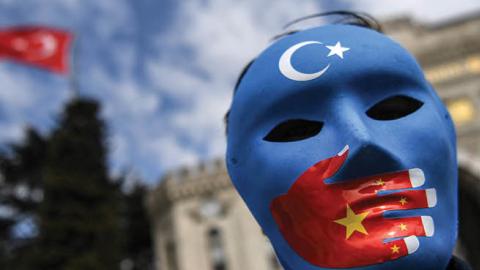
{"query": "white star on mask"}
pixel 337 50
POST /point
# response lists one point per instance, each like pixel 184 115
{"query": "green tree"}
pixel 79 218
pixel 137 233
pixel 20 195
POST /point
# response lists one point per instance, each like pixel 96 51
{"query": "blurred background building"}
pixel 200 222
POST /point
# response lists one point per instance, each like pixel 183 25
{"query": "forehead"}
pixel 350 57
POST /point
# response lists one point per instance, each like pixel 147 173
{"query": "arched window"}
pixel 216 251
pixel 171 252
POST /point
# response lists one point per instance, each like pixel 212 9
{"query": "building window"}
pixel 171 254
pixel 462 110
pixel 216 251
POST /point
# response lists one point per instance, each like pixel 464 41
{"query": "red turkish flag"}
pixel 43 47
pixel 341 225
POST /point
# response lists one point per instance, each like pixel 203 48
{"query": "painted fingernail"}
pixel 431 197
pixel 428 225
pixel 417 178
pixel 412 243
pixel 345 149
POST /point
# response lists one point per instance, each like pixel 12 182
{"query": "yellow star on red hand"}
pixel 353 222
pixel 379 182
pixel 395 249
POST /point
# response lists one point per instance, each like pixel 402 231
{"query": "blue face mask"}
pixel 344 153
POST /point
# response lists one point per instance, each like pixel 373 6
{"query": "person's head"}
pixel 344 153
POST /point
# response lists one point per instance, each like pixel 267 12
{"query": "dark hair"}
pixel 341 17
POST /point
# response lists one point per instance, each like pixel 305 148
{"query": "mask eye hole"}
pixel 394 108
pixel 294 130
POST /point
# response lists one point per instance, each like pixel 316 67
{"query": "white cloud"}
pixel 22 99
pixel 425 10
pixel 10 132
pixel 16 87
pixel 169 152
pixel 219 38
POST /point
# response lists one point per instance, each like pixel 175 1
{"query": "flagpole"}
pixel 74 68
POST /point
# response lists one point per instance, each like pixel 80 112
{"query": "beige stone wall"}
pixel 180 220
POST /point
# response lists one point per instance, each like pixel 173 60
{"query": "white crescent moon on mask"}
pixel 286 68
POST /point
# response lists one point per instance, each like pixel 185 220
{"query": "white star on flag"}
pixel 337 50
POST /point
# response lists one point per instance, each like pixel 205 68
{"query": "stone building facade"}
pixel 200 222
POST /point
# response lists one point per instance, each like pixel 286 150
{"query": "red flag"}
pixel 43 47
pixel 341 225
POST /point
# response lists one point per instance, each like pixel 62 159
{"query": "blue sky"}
pixel 163 70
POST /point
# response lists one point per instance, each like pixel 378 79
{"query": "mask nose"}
pixel 368 155
pixel 365 160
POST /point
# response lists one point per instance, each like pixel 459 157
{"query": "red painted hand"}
pixel 342 224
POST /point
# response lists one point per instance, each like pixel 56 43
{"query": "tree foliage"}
pixel 60 209
pixel 138 243
pixel 20 195
pixel 79 216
